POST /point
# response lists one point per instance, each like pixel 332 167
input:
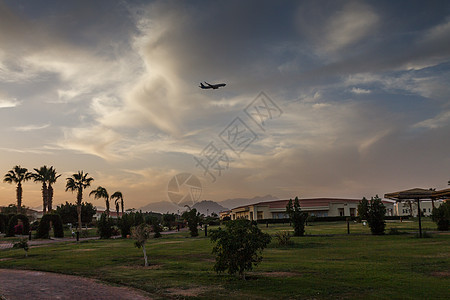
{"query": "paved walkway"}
pixel 21 284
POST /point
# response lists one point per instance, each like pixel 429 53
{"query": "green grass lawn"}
pixel 315 267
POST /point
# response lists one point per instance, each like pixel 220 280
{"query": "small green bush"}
pixel 283 238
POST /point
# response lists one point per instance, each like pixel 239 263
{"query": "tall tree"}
pixel 42 175
pixel 118 196
pixel 297 216
pixel 52 177
pixel 18 175
pixel 78 182
pixel 363 208
pixel 99 193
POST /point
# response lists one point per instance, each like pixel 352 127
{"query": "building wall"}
pixel 403 208
pixel 333 209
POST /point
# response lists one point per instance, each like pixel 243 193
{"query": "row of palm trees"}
pixel 48 176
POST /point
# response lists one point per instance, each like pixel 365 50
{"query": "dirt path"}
pixel 21 284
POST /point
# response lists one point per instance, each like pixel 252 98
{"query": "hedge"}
pixel 44 226
pixel 13 222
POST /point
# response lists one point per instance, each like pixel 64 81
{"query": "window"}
pixel 424 210
pixel 341 212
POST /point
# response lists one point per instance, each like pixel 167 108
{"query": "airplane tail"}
pixel 201 85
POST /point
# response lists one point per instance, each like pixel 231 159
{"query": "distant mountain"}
pixel 232 203
pixel 161 207
pixel 207 207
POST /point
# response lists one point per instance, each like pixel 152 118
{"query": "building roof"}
pixel 418 193
pixel 312 202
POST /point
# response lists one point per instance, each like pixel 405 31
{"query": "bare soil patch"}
pixel 190 292
pixel 441 274
pixel 150 267
pixel 44 285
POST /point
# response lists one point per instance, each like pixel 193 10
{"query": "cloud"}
pixel 334 27
pixel 441 120
pixel 359 91
pixel 31 127
pixel 97 141
pixel 9 103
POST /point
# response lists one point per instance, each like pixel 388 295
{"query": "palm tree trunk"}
pixel 50 198
pixel 44 198
pixel 79 201
pixel 19 197
pixel 121 203
pixel 107 207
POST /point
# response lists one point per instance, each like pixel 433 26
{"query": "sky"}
pixel 322 98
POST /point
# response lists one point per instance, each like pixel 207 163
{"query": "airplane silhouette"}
pixel 211 86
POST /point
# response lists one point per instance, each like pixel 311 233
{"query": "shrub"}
pixel 375 216
pixel 44 226
pixel 238 248
pixel 13 222
pixel 441 215
pixel 22 244
pixel 3 222
pixel 283 238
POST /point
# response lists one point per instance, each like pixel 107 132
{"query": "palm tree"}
pixel 118 196
pixel 42 175
pixel 78 182
pixel 52 177
pixel 18 175
pixel 99 193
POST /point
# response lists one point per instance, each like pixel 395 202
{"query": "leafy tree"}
pixel 105 226
pixel 68 212
pixel 99 193
pixel 78 182
pixel 169 220
pixel 18 175
pixel 125 224
pixel 156 226
pixel 239 247
pixel 363 209
pixel 118 197
pixel 11 209
pixel 297 216
pixel 52 177
pixel 375 216
pixel 41 175
pixel 441 215
pixel 192 218
pixel 141 234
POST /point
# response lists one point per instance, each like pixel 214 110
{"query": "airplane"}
pixel 211 86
